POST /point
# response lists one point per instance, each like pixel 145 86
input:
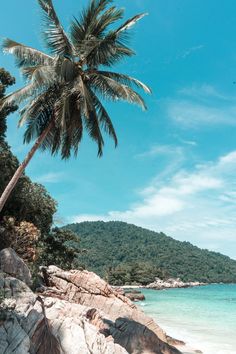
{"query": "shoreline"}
pixel 133 287
pixel 195 317
pixel 125 287
pixel 183 346
pixel 161 284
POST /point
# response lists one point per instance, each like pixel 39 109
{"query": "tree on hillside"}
pixel 65 87
pixel 6 80
pixel 60 247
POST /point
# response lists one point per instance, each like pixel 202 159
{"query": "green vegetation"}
pixel 117 251
pixel 134 273
pixel 60 247
pixel 29 201
pixel 27 219
pixel 65 87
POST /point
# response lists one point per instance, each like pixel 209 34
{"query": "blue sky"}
pixel 174 169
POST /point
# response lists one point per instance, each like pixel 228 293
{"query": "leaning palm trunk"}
pixel 11 185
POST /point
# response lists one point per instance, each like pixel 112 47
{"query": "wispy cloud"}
pixel 198 206
pixel 204 91
pixel 191 50
pixel 192 114
pixel 201 105
pixel 182 55
pixel 188 142
pixel 172 158
pixel 51 177
pixel 157 150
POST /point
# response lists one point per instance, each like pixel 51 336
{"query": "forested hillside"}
pixel 126 253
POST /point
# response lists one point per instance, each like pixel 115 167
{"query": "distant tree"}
pixel 60 247
pixel 134 273
pixel 63 93
pixel 6 80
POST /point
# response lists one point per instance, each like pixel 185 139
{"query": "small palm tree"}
pixel 64 88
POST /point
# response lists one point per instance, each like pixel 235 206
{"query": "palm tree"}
pixel 64 89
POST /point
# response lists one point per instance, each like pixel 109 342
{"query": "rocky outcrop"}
pixel 134 295
pixel 121 316
pixel 30 324
pixel 160 284
pixel 75 312
pixel 13 265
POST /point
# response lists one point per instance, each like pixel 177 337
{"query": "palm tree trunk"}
pixel 11 185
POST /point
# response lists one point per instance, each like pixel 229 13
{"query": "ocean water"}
pixel 203 317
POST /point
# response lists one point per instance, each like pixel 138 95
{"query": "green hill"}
pixel 126 253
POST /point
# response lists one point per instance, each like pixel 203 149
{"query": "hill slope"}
pixel 117 245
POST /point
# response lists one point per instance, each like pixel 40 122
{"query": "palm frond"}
pixel 104 118
pixel 124 79
pixel 91 119
pixel 53 141
pixel 44 77
pixel 43 340
pixel 37 117
pixel 74 132
pixel 35 126
pixel 41 77
pixel 26 55
pixel 130 23
pixel 89 16
pixel 82 33
pixel 109 49
pixel 105 52
pixel 106 19
pixel 28 71
pixel 56 38
pixel 41 105
pixel 68 115
pixel 20 95
pixel 111 89
pixel 67 129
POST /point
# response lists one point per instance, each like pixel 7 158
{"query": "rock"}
pixel 135 337
pixel 88 289
pixel 118 289
pixel 160 284
pixel 112 313
pixel 12 264
pixel 76 313
pixel 34 324
pixel 174 341
pixel 135 296
pixel 54 326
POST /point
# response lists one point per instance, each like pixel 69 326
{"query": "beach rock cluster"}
pixel 73 312
pixel 134 295
pixel 131 293
pixel 160 284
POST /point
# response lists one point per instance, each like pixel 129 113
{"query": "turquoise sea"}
pixel 203 317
